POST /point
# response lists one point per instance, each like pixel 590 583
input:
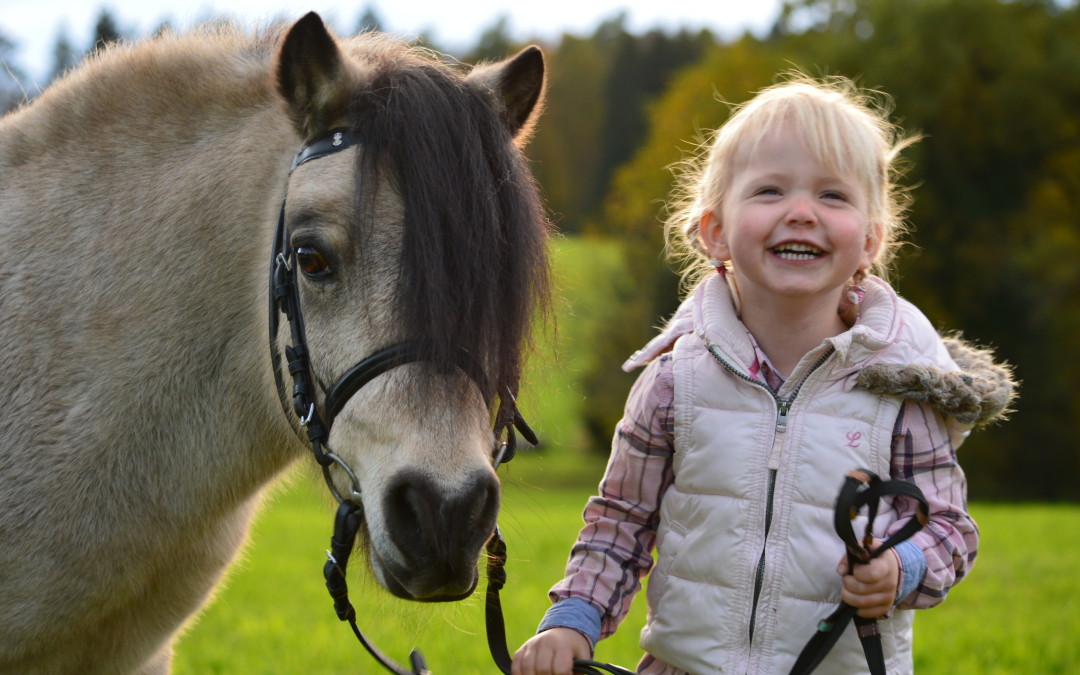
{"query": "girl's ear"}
pixel 711 233
pixel 872 246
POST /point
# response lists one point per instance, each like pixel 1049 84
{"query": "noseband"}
pixel 285 300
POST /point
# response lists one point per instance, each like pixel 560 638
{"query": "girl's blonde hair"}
pixel 845 127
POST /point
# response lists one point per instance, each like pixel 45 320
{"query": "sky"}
pixel 34 25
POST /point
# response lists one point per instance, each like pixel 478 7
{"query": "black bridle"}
pixel 285 300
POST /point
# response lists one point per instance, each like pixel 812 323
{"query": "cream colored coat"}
pixel 752 502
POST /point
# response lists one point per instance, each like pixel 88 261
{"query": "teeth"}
pixel 798 252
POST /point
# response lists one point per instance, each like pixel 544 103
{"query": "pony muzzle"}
pixel 436 536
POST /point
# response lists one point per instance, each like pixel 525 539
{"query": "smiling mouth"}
pixel 798 252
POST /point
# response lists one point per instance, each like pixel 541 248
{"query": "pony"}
pixel 141 417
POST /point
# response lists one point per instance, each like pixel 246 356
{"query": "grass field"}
pixel 1018 613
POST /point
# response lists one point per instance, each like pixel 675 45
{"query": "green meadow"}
pixel 1019 612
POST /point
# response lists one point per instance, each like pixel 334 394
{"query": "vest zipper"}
pixel 783 407
pixel 759 577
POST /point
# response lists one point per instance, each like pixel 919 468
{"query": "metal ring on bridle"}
pixel 355 484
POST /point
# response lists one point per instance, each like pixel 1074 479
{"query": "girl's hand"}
pixel 871 588
pixel 551 653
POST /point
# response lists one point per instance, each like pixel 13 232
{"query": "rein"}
pixel 496 627
pixel 285 300
pixel 861 488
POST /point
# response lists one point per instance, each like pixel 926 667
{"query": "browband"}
pixel 336 141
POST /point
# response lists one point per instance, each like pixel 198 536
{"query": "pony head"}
pixel 428 229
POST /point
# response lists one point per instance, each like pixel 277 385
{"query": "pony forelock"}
pixel 473 252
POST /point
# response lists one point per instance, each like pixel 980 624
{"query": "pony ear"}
pixel 516 88
pixel 310 75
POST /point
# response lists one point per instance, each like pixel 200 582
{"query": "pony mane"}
pixel 474 263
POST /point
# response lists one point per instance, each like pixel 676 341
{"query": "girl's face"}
pixel 792 228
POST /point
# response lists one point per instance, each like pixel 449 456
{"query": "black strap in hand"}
pixel 861 488
pixel 496 628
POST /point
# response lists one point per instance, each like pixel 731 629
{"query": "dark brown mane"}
pixel 474 261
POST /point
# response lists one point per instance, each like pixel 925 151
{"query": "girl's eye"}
pixel 835 195
pixel 311 262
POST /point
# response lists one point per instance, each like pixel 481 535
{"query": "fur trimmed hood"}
pixel 977 394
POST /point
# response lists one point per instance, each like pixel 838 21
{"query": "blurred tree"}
pixel 599 91
pixel 64 55
pixel 369 21
pixel 495 42
pixel 994 86
pixel 105 31
pixel 12 89
pixel 641 70
pixel 565 150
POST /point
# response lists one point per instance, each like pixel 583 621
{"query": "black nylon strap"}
pixel 496 627
pixel 870 638
pixel 861 488
pixel 285 299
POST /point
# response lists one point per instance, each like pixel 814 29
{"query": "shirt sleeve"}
pixel 923 453
pixel 574 613
pixel 613 551
pixel 912 568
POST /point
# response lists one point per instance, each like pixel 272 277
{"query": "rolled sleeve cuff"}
pixel 912 568
pixel 577 614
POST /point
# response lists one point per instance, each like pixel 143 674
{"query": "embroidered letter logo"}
pixel 853 438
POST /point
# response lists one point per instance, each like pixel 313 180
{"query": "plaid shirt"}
pixel 614 549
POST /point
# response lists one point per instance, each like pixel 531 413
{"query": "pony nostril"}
pixel 432 529
pixel 411 513
pixel 485 510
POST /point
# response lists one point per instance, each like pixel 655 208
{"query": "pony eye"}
pixel 311 262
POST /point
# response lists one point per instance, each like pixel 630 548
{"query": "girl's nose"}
pixel 801 211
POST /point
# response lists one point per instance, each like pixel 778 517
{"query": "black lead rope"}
pixel 861 488
pixel 496 628
pixel 496 575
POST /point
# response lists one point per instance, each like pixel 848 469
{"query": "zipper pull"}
pixel 782 408
pixel 781 421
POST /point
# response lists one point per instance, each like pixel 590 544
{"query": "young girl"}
pixel 788 365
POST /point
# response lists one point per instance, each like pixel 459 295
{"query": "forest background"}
pixel 992 86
